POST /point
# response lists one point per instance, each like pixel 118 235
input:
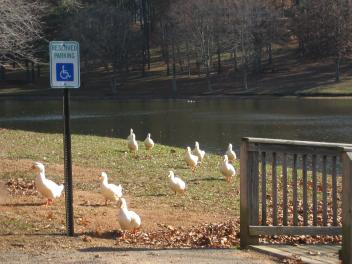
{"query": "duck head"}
pixel 39 166
pixel 196 145
pixel 188 150
pixel 171 174
pixel 230 146
pixel 226 158
pixel 103 177
pixel 149 135
pixel 131 131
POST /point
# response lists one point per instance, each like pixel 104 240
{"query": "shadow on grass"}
pixel 93 205
pixel 103 235
pixel 22 204
pixel 152 195
pixel 206 179
pixel 32 234
pixel 117 249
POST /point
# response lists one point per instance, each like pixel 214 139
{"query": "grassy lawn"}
pixel 208 198
pixel 141 176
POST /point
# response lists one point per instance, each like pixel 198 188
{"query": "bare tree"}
pixel 254 25
pixel 20 27
pixel 107 38
pixel 325 29
pixel 196 19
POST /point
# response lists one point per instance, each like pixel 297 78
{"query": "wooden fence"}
pixel 291 187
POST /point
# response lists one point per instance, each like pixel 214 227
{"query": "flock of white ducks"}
pixel 129 220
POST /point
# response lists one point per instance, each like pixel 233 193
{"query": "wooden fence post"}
pixel 347 208
pixel 249 214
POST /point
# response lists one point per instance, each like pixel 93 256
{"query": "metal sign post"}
pixel 68 165
pixel 65 73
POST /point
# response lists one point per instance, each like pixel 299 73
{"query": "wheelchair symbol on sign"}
pixel 64 74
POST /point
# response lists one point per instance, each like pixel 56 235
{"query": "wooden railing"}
pixel 291 187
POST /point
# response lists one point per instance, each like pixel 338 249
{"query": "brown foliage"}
pixel 21 187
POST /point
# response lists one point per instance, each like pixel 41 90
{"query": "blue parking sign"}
pixel 64 72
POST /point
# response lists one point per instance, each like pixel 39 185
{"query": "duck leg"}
pixel 135 230
pixel 48 202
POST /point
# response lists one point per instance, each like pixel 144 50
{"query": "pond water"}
pixel 213 122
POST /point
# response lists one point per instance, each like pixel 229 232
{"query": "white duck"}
pixel 130 135
pixel 230 153
pixel 132 143
pixel 176 184
pixel 128 220
pixel 47 188
pixel 148 142
pixel 191 160
pixel 227 169
pixel 198 152
pixel 110 191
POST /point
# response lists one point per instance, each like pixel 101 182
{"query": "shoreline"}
pixel 180 97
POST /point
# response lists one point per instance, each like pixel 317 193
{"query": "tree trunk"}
pixel 188 59
pixel 165 47
pixel 147 22
pixel 207 65
pixel 2 73
pixel 179 58
pixel 245 77
pixel 174 84
pixel 28 75
pixel 141 17
pixel 270 51
pixel 32 72
pixel 114 81
pixel 127 63
pixel 38 70
pixel 258 60
pixel 235 59
pixel 219 58
pixel 301 47
pixel 337 75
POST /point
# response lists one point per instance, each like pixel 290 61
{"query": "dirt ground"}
pixel 33 233
pixel 108 255
pixel 27 223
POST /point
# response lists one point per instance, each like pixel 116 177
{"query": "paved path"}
pixel 123 256
pixel 312 254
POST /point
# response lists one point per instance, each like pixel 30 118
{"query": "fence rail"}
pixel 291 187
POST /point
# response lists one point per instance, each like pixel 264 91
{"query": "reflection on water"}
pixel 214 122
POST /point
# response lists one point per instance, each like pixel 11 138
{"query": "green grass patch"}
pixel 143 177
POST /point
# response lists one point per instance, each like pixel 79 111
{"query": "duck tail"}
pixel 61 188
